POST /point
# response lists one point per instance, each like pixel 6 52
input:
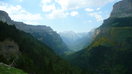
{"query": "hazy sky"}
pixel 61 15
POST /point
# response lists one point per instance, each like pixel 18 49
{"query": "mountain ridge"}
pixel 43 33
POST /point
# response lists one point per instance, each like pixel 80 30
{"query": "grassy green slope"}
pixel 4 69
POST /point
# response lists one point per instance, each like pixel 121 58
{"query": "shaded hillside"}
pixel 117 22
pixel 111 51
pixel 46 35
pixel 30 55
pixel 43 33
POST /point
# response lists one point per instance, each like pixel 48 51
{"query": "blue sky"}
pixel 60 15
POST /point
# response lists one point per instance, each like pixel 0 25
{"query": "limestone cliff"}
pixel 122 9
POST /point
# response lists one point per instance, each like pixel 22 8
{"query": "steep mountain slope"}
pixel 77 41
pixel 46 35
pixel 43 33
pixel 111 51
pixel 23 51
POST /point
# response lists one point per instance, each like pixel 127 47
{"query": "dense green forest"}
pixel 33 56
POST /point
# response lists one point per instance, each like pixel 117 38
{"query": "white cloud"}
pixel 48 8
pixel 97 9
pixel 47 5
pixel 46 1
pixel 97 15
pixel 68 4
pixel 51 10
pixel 74 4
pixel 17 13
pixel 61 7
pixel 89 9
pixel 74 13
pixel 57 14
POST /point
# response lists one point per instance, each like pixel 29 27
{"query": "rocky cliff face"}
pixel 4 17
pixel 121 15
pixel 122 9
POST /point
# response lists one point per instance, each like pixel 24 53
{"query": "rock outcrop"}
pixel 4 17
pixel 122 9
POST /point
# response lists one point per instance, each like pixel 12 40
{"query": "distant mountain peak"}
pixel 122 9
